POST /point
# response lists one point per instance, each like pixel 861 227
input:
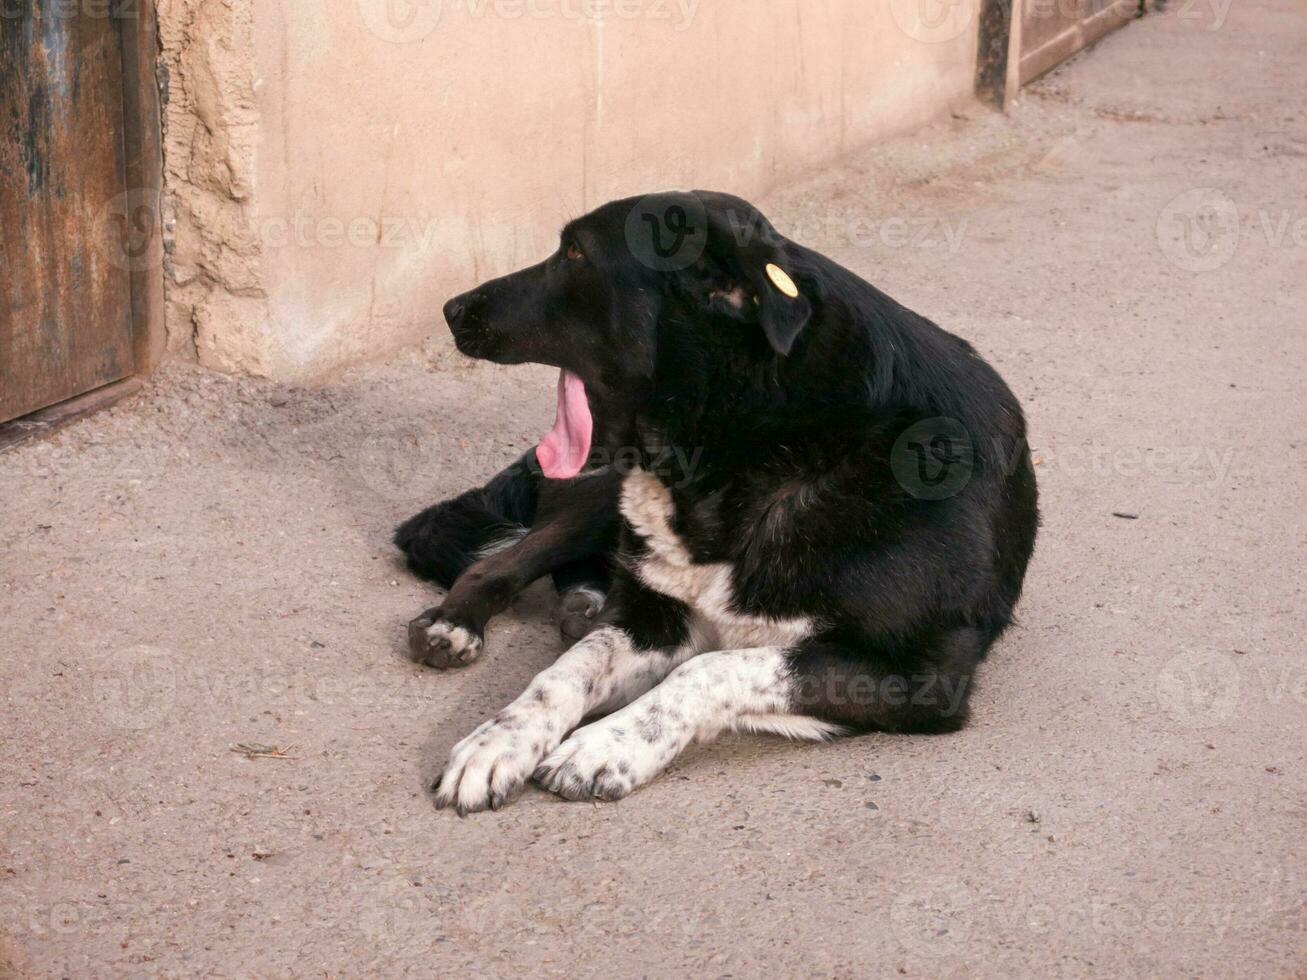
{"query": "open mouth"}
pixel 563 453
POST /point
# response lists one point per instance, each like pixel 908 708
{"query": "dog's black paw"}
pixel 578 611
pixel 443 643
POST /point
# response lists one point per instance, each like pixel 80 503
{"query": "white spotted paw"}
pixel 489 768
pixel 603 761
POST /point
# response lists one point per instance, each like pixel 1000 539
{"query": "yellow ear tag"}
pixel 782 281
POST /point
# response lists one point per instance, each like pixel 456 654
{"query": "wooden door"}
pixel 65 282
pixel 1054 30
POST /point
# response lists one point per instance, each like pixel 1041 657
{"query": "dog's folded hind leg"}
pixel 582 593
pixel 444 541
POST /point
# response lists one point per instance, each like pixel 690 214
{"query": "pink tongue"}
pixel 563 452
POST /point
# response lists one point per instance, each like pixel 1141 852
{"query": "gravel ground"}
pixel 208 566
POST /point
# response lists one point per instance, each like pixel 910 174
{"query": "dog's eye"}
pixel 574 253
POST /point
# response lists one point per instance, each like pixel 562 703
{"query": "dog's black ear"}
pixel 784 310
pixel 754 277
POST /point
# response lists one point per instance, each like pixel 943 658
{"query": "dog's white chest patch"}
pixel 707 589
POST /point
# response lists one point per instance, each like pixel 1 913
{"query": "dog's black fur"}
pixel 489 544
pixel 800 423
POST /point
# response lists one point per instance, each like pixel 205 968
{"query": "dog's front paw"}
pixel 599 762
pixel 439 642
pixel 489 767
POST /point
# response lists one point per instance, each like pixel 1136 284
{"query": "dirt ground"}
pixel 208 566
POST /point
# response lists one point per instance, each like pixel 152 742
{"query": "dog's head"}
pixel 635 289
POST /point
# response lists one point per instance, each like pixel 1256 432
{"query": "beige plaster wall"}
pixel 340 167
pixel 214 263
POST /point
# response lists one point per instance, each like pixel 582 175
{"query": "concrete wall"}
pixel 337 168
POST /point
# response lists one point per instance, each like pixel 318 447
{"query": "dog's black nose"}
pixel 454 310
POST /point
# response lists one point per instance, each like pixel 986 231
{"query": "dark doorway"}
pixel 79 246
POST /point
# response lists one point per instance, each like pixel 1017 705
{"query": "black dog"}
pixel 827 502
